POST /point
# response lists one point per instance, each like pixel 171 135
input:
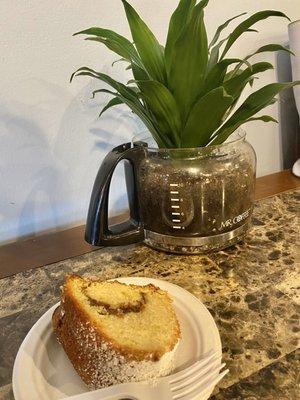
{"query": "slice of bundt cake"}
pixel 115 333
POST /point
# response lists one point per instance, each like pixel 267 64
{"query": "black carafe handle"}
pixel 97 231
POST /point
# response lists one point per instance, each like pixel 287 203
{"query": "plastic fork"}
pixel 184 385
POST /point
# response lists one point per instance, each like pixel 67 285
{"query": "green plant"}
pixel 185 92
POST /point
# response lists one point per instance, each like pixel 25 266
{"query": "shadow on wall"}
pixel 288 115
pixel 103 137
pixel 49 157
pixel 116 126
pixel 28 175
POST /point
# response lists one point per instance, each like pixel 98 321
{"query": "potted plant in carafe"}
pixel 190 178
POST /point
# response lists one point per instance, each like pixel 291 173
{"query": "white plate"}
pixel 42 371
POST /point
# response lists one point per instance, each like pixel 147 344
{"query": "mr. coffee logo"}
pixel 233 221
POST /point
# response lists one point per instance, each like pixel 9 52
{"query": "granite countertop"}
pixel 251 290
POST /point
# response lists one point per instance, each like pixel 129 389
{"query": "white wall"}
pixel 51 142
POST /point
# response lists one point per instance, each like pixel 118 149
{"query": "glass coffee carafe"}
pixel 185 200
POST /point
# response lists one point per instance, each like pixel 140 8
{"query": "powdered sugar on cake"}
pixel 110 367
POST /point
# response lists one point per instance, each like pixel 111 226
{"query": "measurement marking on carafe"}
pixel 176 214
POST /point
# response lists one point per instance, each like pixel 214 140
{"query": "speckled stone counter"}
pixel 251 290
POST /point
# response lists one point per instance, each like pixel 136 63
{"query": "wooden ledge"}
pixel 53 247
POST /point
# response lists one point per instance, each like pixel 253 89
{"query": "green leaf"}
pixel 143 114
pixel 245 25
pixel 178 21
pixel 214 54
pixel 163 105
pixel 112 103
pixel 252 105
pixel 263 49
pixel 235 85
pixel 205 117
pixel 113 41
pixel 230 74
pixel 240 79
pixel 122 89
pixel 119 60
pixel 273 101
pixel 146 118
pixel 139 73
pixel 101 91
pixel 189 62
pixel 272 47
pixel 222 27
pixel 264 118
pixel 217 74
pixel 147 46
pixel 115 93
